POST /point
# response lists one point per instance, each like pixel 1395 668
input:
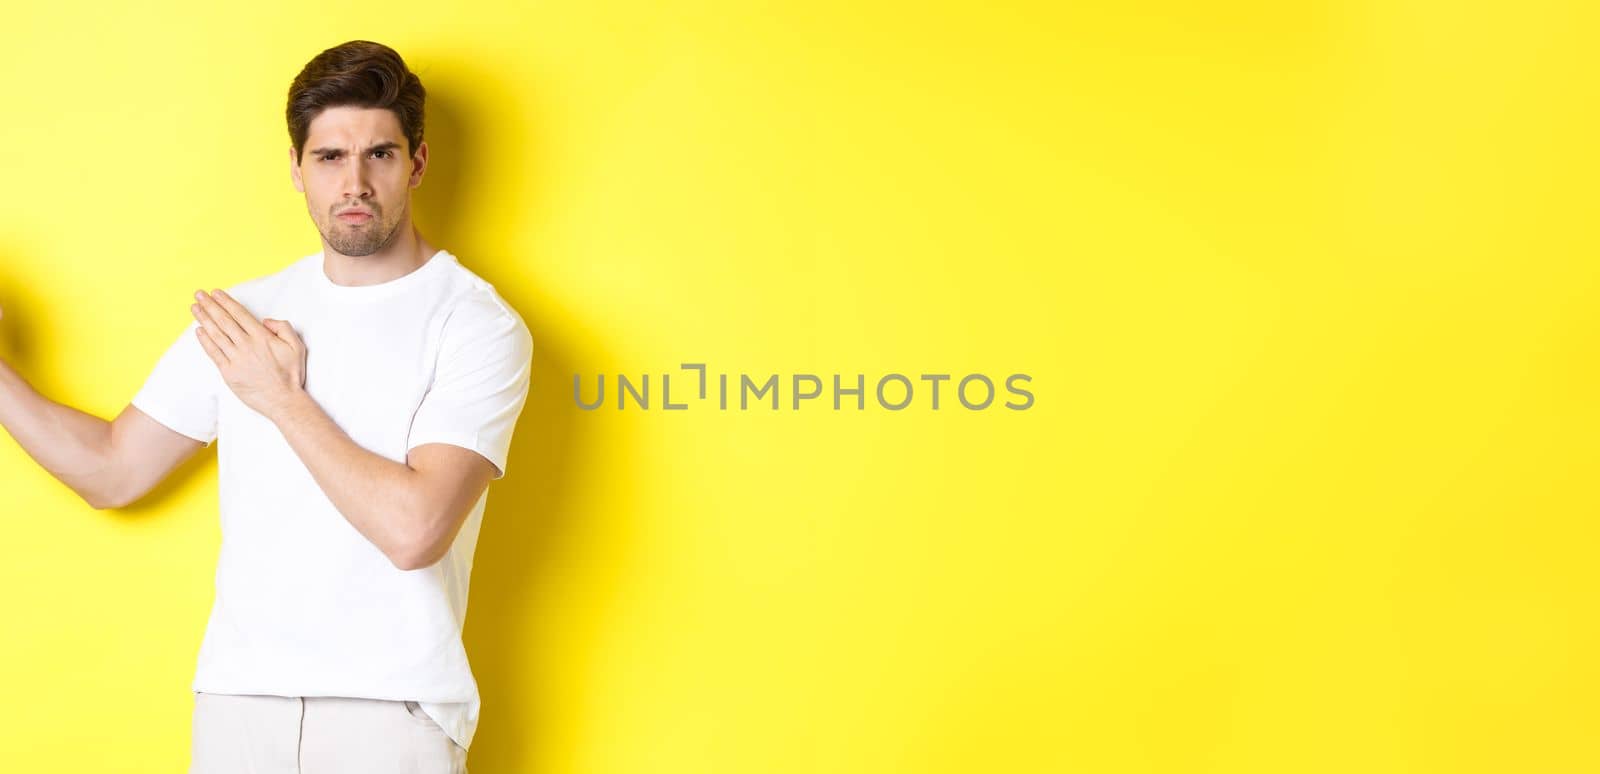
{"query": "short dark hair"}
pixel 359 73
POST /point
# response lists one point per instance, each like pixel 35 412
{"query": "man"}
pixel 362 399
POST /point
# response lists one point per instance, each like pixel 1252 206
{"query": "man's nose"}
pixel 356 179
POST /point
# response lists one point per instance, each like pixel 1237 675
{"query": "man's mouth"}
pixel 355 217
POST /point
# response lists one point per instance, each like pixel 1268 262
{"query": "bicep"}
pixel 144 451
pixel 451 479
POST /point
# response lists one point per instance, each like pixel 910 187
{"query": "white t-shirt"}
pixel 305 605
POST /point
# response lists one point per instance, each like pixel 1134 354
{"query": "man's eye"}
pixel 386 153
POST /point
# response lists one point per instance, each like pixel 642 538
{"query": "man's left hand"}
pixel 264 363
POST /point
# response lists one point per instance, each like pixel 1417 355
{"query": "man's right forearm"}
pixel 75 447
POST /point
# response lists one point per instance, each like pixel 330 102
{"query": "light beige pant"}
pixel 318 735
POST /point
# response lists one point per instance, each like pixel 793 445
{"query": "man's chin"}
pixel 354 249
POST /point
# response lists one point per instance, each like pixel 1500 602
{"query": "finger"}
pixel 284 329
pixel 211 348
pixel 239 313
pixel 218 336
pixel 224 319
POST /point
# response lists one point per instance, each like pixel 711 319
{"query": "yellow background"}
pixel 1307 295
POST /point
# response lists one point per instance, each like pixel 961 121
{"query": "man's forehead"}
pixel 353 127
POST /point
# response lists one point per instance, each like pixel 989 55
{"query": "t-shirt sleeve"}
pixel 181 391
pixel 480 384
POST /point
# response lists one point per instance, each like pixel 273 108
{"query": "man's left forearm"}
pixel 377 495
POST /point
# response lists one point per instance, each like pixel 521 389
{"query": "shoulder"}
pixel 475 311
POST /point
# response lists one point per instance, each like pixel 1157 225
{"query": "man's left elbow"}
pixel 414 559
pixel 418 553
pixel 417 546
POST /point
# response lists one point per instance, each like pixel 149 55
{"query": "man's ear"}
pixel 294 171
pixel 419 163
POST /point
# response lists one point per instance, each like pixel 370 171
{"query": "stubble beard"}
pixel 356 240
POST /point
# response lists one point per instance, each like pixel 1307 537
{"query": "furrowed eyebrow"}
pixel 380 146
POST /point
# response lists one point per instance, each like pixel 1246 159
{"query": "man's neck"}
pixel 405 254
